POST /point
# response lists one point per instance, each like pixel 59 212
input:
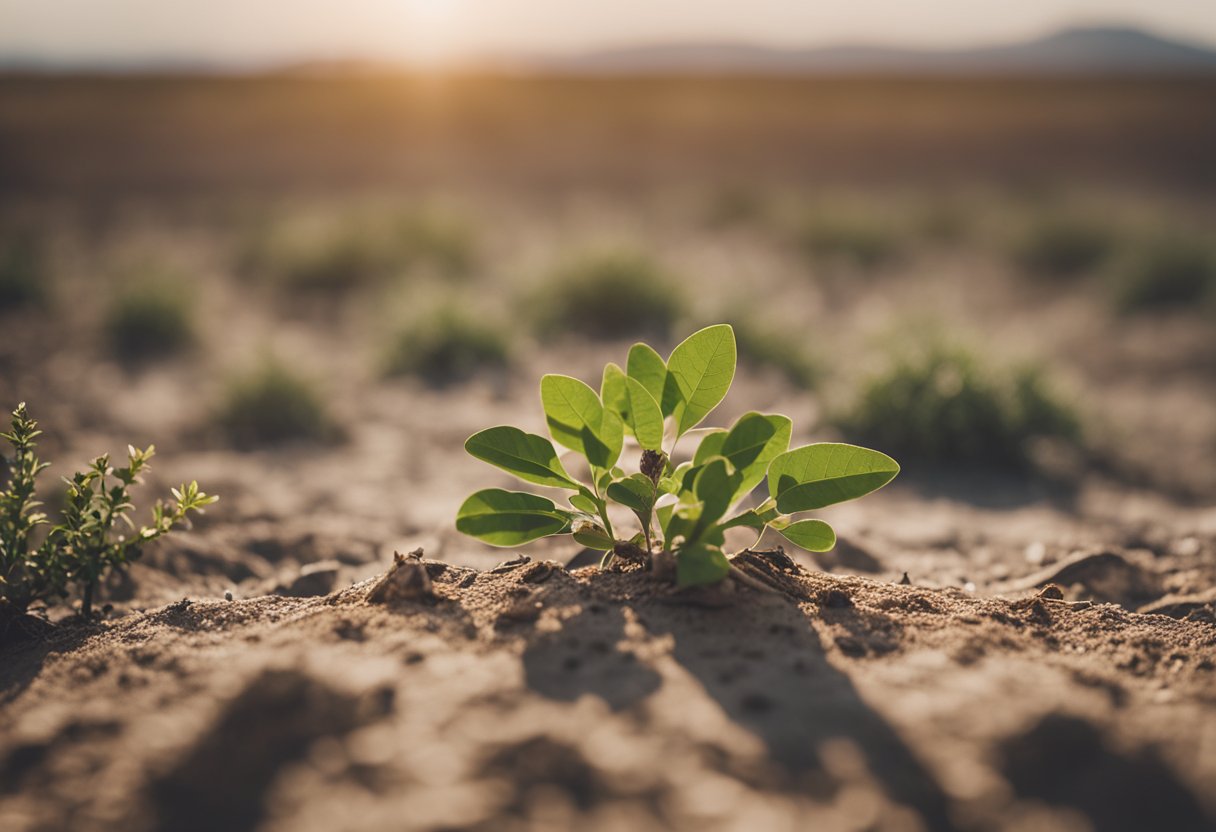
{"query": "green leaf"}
pixel 645 418
pixel 826 473
pixel 583 502
pixel 679 525
pixel 752 443
pixel 664 515
pixel 711 446
pixel 748 519
pixel 699 565
pixel 715 487
pixel 526 455
pixel 614 395
pixel 578 420
pixel 757 518
pixel 683 475
pixel 648 368
pixel 593 537
pixel 636 492
pixel 509 518
pixel 606 476
pixel 632 402
pixel 699 372
pixel 669 485
pixel 812 535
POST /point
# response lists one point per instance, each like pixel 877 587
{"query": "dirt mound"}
pixel 531 696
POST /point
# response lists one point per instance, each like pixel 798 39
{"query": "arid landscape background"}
pixel 308 288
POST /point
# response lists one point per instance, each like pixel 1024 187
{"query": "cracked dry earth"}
pixel 535 697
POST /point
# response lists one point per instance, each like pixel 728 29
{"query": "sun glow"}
pixel 432 29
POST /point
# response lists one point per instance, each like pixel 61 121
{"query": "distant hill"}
pixel 1075 51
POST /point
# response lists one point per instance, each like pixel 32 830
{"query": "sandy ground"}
pixel 532 697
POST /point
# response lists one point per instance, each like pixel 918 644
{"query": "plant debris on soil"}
pixel 531 696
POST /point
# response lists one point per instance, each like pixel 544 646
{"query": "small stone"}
pixel 539 572
pixel 407 580
pixel 510 565
pixel 905 580
pixel 313 579
pixel 1051 592
pixel 228 595
pixel 851 646
pixel 836 599
pixel 1188 547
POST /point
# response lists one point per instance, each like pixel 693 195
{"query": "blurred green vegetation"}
pixel 764 344
pixel 23 272
pixel 856 238
pixel 448 345
pixel 273 404
pixel 150 317
pixel 1169 271
pixel 1060 246
pixel 735 206
pixel 943 404
pixel 608 294
pixel 357 249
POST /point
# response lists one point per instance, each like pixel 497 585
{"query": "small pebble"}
pixel 1188 547
pixel 227 594
pixel 836 599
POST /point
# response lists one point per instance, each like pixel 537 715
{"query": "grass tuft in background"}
pixel 273 404
pixel 23 273
pixel 149 318
pixel 942 404
pixel 447 345
pixel 1173 271
pixel 1063 246
pixel 608 294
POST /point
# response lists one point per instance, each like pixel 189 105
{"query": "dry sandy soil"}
pixel 1049 663
pixel 532 697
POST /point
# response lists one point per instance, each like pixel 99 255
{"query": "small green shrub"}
pixel 358 251
pixel 941 405
pixel 441 242
pixel 272 405
pixel 448 346
pixel 781 350
pixel 735 206
pixel 150 319
pixel 858 240
pixel 23 273
pixel 1063 247
pixel 946 222
pixel 691 505
pixel 1176 271
pixel 606 295
pixel 80 550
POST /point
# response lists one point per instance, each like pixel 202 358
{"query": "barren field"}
pixel 1010 287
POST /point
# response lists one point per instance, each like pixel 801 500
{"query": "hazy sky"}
pixel 437 30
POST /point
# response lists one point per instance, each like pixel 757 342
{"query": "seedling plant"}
pixel 683 510
pixel 85 545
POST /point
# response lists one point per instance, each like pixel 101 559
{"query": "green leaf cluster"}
pixel 684 509
pixel 79 550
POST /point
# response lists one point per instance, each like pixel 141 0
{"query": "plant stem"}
pixel 603 506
